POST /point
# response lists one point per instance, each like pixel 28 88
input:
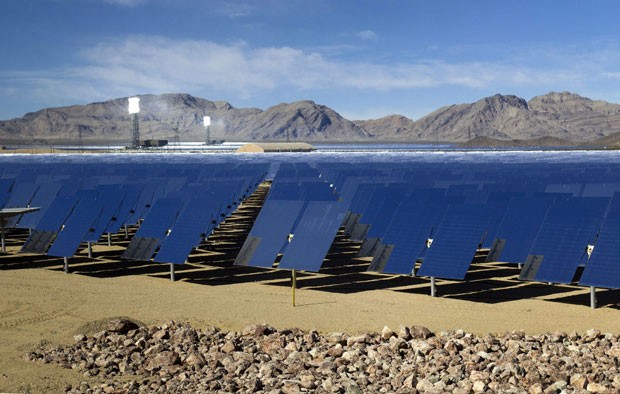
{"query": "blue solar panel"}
pixel 148 196
pixel 153 229
pixel 46 193
pixel 603 268
pixel 313 236
pixel 600 189
pixel 519 227
pixel 49 225
pixel 406 237
pixel 568 228
pixel 131 194
pixel 495 212
pixel 76 227
pixel 270 233
pixel 187 233
pixel 111 198
pixel 456 241
pixel 22 194
pixel 57 213
pixel 5 190
pixel 569 188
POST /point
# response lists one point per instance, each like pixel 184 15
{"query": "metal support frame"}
pixel 66 265
pixel 171 272
pixel 293 284
pixel 109 239
pixel 90 250
pixel 135 132
pixel 433 287
pixel 593 300
pixel 3 242
pixel 126 232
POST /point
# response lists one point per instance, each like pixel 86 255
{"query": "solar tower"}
pixel 134 110
pixel 206 121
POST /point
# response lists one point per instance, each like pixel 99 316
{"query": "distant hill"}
pixel 554 117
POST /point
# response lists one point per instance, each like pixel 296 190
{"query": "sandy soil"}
pixel 44 304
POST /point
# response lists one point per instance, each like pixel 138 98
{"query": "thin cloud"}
pixel 126 3
pixel 147 64
pixel 366 35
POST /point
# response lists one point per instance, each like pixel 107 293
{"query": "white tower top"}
pixel 206 121
pixel 134 105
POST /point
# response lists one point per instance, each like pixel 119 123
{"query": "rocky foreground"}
pixel 179 358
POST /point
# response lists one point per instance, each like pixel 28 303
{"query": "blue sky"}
pixel 365 59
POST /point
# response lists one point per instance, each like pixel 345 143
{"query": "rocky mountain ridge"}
pixel 556 116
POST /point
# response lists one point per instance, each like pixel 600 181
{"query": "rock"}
pixel 536 388
pixel 79 338
pixel 386 333
pixel 195 360
pixel 597 388
pixel 229 347
pixel 424 386
pixel 161 334
pixel 358 339
pixel 479 386
pixel 420 332
pixel 591 335
pixel 578 381
pixel 404 333
pixel 353 389
pixel 121 325
pixel 293 361
pixel 258 330
pixel 162 359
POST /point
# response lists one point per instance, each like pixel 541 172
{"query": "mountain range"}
pixel 553 118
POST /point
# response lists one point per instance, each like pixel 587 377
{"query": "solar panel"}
pixel 559 248
pixel 313 236
pixel 43 198
pixel 406 237
pixel 75 228
pixel 131 194
pixel 600 189
pixel 111 198
pixel 270 233
pixel 188 231
pixel 49 225
pixel 518 229
pixel 455 242
pixel 5 190
pixel 20 197
pixel 603 267
pixel 153 229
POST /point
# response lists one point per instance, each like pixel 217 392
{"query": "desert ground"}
pixel 39 303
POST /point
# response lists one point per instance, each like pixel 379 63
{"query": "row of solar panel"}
pixel 174 212
pixel 399 210
pixel 402 223
pixel 546 226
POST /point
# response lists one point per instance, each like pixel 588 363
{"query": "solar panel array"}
pixel 423 214
pixel 176 205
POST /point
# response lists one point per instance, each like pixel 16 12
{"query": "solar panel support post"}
pixel 109 239
pixel 66 265
pixel 171 272
pixel 126 232
pixel 592 297
pixel 433 288
pixel 293 283
pixel 90 250
pixel 3 243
